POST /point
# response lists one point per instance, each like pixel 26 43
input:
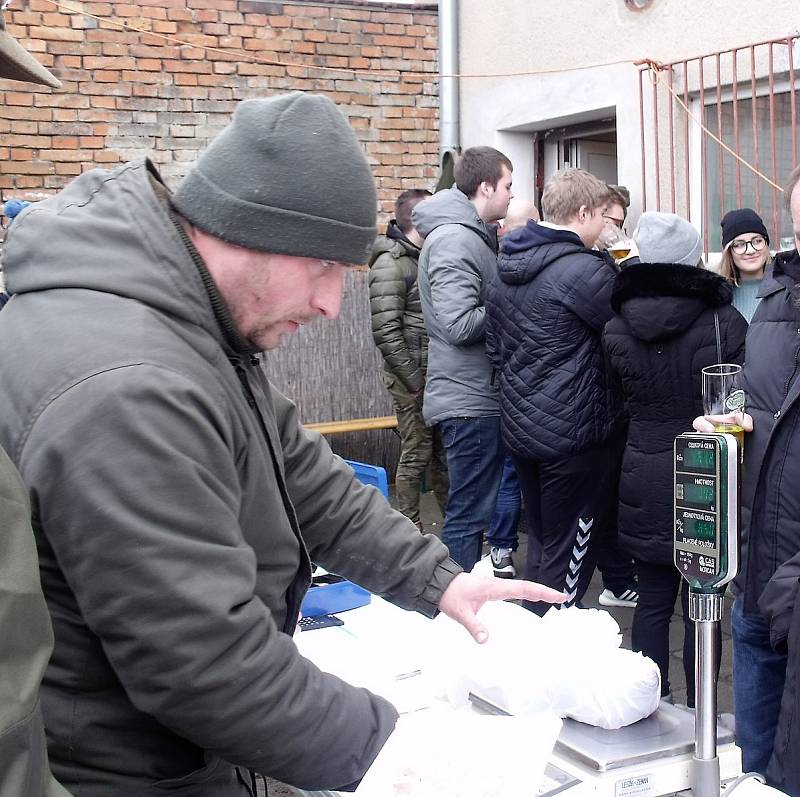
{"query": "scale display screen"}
pixel 699 493
pixel 702 529
pixel 706 476
pixel 700 459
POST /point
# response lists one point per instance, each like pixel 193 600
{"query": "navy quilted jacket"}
pixel 547 308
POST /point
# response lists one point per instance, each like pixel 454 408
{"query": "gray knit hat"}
pixel 667 238
pixel 286 176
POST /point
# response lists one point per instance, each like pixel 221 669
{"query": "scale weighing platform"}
pixel 652 757
pixel 649 758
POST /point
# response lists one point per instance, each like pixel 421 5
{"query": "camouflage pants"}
pixel 420 448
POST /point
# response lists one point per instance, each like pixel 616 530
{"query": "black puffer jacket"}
pixel 546 309
pixel 661 338
pixel 784 767
pixel 398 327
pixel 768 578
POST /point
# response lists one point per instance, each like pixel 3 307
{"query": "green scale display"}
pixel 706 550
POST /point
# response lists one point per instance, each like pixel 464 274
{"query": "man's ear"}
pixel 583 213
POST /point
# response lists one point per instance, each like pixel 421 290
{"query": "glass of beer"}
pixel 721 396
pixel 620 249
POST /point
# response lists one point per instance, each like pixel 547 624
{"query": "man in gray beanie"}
pixel 178 502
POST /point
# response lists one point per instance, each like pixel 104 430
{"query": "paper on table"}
pixel 439 753
pixel 381 648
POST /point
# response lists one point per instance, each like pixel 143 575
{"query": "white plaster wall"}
pixel 520 35
pixel 503 42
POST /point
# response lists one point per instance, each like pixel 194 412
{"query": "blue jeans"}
pixel 507 510
pixel 475 463
pixel 758 676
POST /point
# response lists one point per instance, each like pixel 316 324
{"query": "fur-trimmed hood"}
pixel 659 300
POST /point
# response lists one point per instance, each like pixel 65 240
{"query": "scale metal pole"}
pixel 706 611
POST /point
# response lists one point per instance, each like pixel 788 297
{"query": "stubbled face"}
pixel 499 197
pixel 750 264
pixel 267 295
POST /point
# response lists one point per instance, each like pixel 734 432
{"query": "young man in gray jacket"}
pixel 176 499
pixel 458 260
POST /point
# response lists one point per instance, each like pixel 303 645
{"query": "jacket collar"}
pixel 669 279
pixel 221 314
pixel 777 277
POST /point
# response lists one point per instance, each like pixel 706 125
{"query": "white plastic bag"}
pixel 569 662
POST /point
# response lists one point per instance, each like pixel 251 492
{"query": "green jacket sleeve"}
pixel 387 301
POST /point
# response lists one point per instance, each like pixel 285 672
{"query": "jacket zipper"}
pixel 788 383
pixel 248 393
pixel 241 374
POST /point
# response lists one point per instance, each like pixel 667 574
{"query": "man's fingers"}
pixel 706 423
pixel 508 589
pixel 702 424
pixel 476 628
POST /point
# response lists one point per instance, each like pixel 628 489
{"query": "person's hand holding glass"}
pixel 723 403
pixel 614 240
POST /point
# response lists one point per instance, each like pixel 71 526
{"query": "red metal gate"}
pixel 718 132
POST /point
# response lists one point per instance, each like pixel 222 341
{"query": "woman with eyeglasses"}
pixel 745 256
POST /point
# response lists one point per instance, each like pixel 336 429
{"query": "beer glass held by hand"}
pixel 616 242
pixel 723 401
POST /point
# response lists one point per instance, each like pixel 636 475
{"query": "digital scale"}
pixel 706 468
pixel 673 750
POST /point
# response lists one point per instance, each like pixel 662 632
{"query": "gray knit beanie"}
pixel 667 238
pixel 286 176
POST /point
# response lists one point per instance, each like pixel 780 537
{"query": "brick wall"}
pixel 128 93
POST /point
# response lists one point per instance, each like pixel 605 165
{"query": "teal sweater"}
pixel 745 297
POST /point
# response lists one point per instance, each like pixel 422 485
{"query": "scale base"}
pixel 651 758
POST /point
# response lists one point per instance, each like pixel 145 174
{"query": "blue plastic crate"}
pixel 332 598
pixel 371 474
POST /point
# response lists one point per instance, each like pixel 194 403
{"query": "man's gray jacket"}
pixel 177 503
pixel 457 263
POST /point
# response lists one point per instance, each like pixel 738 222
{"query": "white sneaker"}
pixel 502 563
pixel 628 598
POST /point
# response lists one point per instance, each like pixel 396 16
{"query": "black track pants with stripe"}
pixel 571 504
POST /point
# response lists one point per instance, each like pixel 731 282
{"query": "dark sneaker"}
pixel 502 563
pixel 627 598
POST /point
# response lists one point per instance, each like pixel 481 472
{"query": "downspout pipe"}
pixel 449 129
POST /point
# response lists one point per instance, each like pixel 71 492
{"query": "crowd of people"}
pixel 174 498
pixel 175 503
pixel 559 372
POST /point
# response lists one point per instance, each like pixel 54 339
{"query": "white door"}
pixel 599 158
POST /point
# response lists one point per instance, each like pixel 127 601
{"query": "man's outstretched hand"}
pixel 467 592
